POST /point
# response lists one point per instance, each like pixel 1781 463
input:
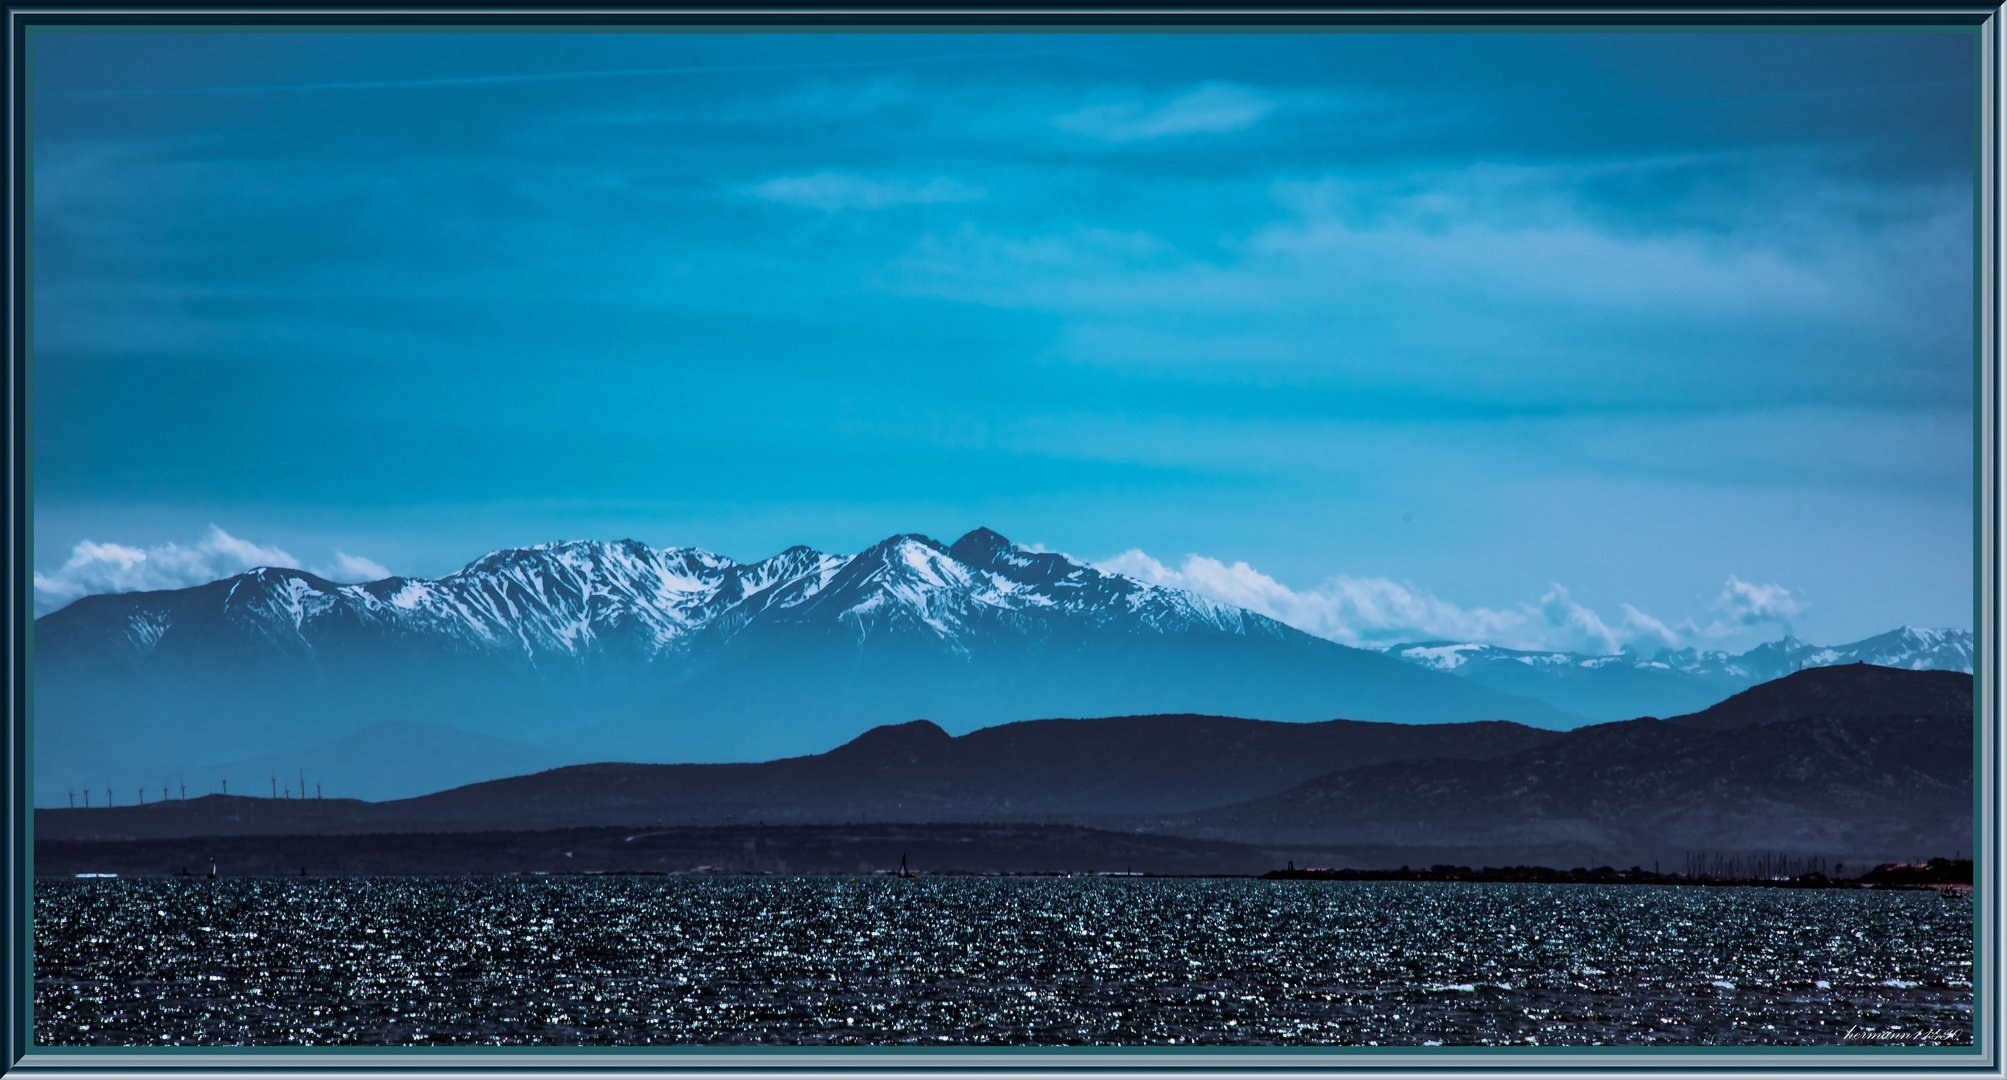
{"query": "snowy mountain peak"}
pixel 627 652
pixel 572 601
pixel 1440 655
pixel 906 562
pixel 1670 681
pixel 1904 647
pixel 990 551
pixel 985 549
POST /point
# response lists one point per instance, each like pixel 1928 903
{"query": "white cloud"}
pixel 350 569
pixel 117 568
pixel 1641 626
pixel 831 192
pixel 1371 612
pixel 1529 293
pixel 1355 611
pixel 1578 629
pixel 1212 109
pixel 1743 605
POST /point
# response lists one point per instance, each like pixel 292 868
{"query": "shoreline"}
pixel 1935 875
pixel 867 850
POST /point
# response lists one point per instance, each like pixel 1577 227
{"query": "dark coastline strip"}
pixel 1935 874
pixel 929 850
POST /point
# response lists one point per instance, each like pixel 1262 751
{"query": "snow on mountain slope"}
pixel 984 587
pixel 619 651
pixel 1903 647
pixel 579 600
pixel 1052 580
pixel 1671 682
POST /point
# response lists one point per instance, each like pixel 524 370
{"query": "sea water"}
pixel 990 961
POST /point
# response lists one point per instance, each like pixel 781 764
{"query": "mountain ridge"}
pixel 1853 759
pixel 1033 770
pixel 1619 686
pixel 1885 775
pixel 1859 689
pixel 597 649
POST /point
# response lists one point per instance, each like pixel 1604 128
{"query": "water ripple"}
pixel 982 961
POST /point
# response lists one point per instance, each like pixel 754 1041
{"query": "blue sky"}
pixel 1567 340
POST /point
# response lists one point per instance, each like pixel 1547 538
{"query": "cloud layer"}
pixel 1373 612
pixel 831 192
pixel 1211 109
pixel 353 568
pixel 1647 307
pixel 1366 612
pixel 119 568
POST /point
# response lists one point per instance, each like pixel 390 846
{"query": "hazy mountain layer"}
pixel 587 651
pixel 1849 763
pixel 1628 685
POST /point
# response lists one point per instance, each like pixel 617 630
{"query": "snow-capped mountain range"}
pixel 1674 681
pixel 592 651
pixel 579 651
pixel 570 603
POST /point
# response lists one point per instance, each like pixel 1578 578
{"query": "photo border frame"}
pixel 20 1057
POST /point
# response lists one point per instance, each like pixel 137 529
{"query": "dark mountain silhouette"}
pixel 1040 771
pixel 1851 763
pixel 1858 761
pixel 1851 690
pixel 1879 774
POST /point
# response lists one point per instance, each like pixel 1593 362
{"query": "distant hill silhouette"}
pixel 1850 690
pixel 1853 761
pixel 1041 770
pixel 1850 763
pixel 773 849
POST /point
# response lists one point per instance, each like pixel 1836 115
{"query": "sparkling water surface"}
pixel 989 961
